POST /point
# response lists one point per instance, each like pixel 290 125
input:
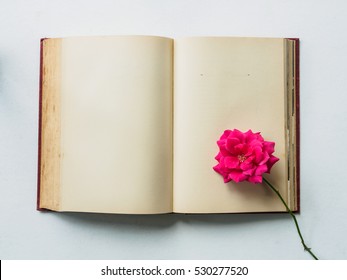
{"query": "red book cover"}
pixel 39 128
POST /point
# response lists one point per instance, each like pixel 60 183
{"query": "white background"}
pixel 28 234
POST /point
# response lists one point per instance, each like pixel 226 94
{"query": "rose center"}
pixel 241 158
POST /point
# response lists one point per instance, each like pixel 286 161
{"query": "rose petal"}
pixel 255 144
pixel 218 156
pixel 259 137
pixel 247 164
pixel 237 134
pixel 258 153
pixel 265 158
pixel 272 160
pixel 249 172
pixel 249 136
pixel 225 134
pixel 231 162
pixel 241 149
pixel 219 169
pixel 224 152
pixel 237 176
pixel 221 143
pixel 255 179
pixel 269 147
pixel 226 179
pixel 231 143
pixel 260 170
pixel 249 151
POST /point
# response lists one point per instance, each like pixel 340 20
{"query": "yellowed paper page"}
pixel 116 124
pixel 226 83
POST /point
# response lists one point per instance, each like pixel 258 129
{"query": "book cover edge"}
pixel 40 129
pixel 297 108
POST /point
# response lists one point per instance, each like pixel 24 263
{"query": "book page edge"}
pixel 48 196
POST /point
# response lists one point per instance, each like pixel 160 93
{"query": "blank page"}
pixel 226 83
pixel 116 124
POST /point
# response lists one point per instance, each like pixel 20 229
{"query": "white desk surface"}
pixel 28 234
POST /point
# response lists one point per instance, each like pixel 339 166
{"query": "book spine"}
pixel 39 129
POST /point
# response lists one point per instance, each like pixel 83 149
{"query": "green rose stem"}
pixel 293 216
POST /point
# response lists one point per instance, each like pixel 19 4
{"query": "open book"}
pixel 129 124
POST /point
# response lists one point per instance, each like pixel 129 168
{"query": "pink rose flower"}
pixel 244 156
